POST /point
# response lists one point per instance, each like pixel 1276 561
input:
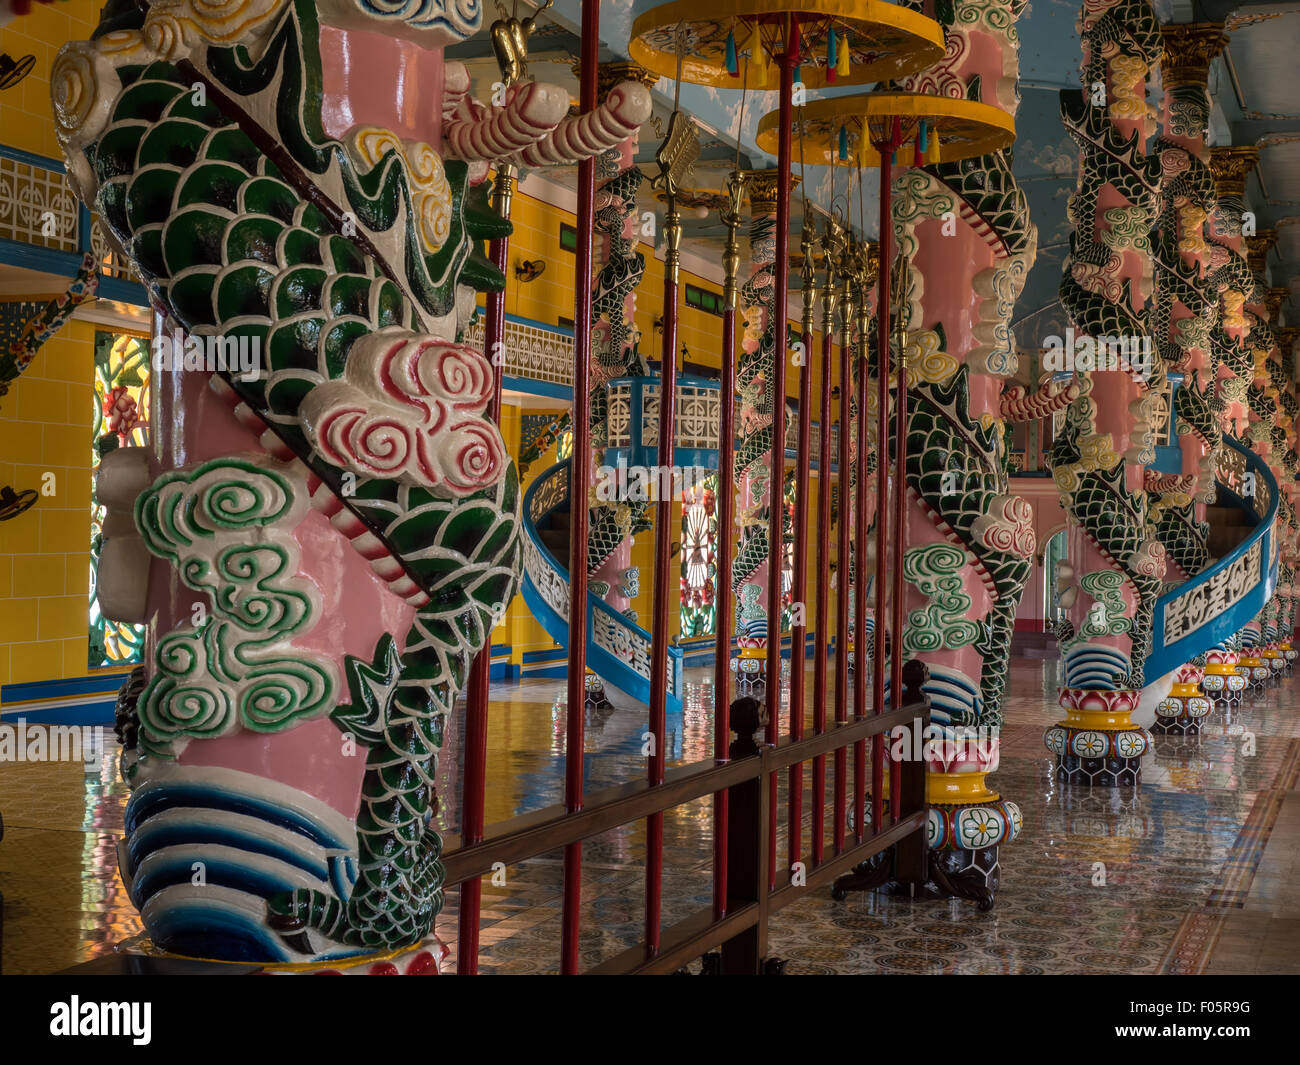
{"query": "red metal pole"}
pixel 900 530
pixel 722 588
pixel 799 596
pixel 860 595
pixel 820 636
pixel 883 511
pixel 662 599
pixel 579 478
pixel 776 389
pixel 474 780
pixel 844 589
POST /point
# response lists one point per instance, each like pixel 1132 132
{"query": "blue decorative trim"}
pixel 32 690
pixel 32 159
pixel 1164 658
pixel 537 388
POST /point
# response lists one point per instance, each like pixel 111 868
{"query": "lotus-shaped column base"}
pixel 1098 743
pixel 1186 706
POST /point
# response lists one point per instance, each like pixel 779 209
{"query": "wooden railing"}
pixel 737 929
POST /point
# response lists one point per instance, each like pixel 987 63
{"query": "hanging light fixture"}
pixel 529 270
pixel 14 503
pixel 12 71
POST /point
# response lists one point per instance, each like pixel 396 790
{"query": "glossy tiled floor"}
pixel 1193 873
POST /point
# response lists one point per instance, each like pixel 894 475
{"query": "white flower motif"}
pixel 981 826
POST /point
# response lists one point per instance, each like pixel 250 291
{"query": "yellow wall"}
pixel 45 552
pixel 25 117
pixel 46 417
pixel 550 297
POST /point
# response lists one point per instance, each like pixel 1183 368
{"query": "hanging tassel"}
pixel 758 58
pixel 733 67
pixel 832 60
pixel 896 131
pixel 933 156
pixel 844 144
pixel 798 74
pixel 845 59
pixel 921 140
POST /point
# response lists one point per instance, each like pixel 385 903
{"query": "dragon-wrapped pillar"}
pixel 327 525
pixel 761 429
pixel 615 352
pixel 965 236
pixel 1098 459
pixel 1184 310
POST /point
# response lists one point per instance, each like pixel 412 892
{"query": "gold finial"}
pixel 872 261
pixel 848 290
pixel 509 37
pixel 808 272
pixel 731 251
pixel 676 160
pixel 833 242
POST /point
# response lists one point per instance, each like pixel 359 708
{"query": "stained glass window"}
pixel 699 557
pixel 120 419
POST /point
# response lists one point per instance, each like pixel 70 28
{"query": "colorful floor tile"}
pixel 1191 873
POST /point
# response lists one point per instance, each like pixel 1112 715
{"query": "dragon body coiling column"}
pixel 1184 310
pixel 1098 457
pixel 760 433
pixel 963 228
pixel 327 524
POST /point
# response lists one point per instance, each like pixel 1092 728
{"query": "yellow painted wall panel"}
pixel 41 660
pixel 41 401
pixel 61 616
pixel 21 535
pixel 65 531
pixel 35 576
pixel 18 621
pixel 77 581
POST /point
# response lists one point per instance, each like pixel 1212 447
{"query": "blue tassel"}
pixel 921 137
pixel 831 60
pixel 733 66
pixel 844 144
pixel 798 74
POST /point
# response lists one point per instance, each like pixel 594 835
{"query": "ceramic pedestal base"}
pixel 1186 706
pixel 1258 674
pixel 966 824
pixel 1098 744
pixel 1223 683
pixel 751 672
pixel 597 698
pixel 1276 662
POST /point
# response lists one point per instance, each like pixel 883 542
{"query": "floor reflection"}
pixel 1099 881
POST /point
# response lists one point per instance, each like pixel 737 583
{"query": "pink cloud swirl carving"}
pixel 410 407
